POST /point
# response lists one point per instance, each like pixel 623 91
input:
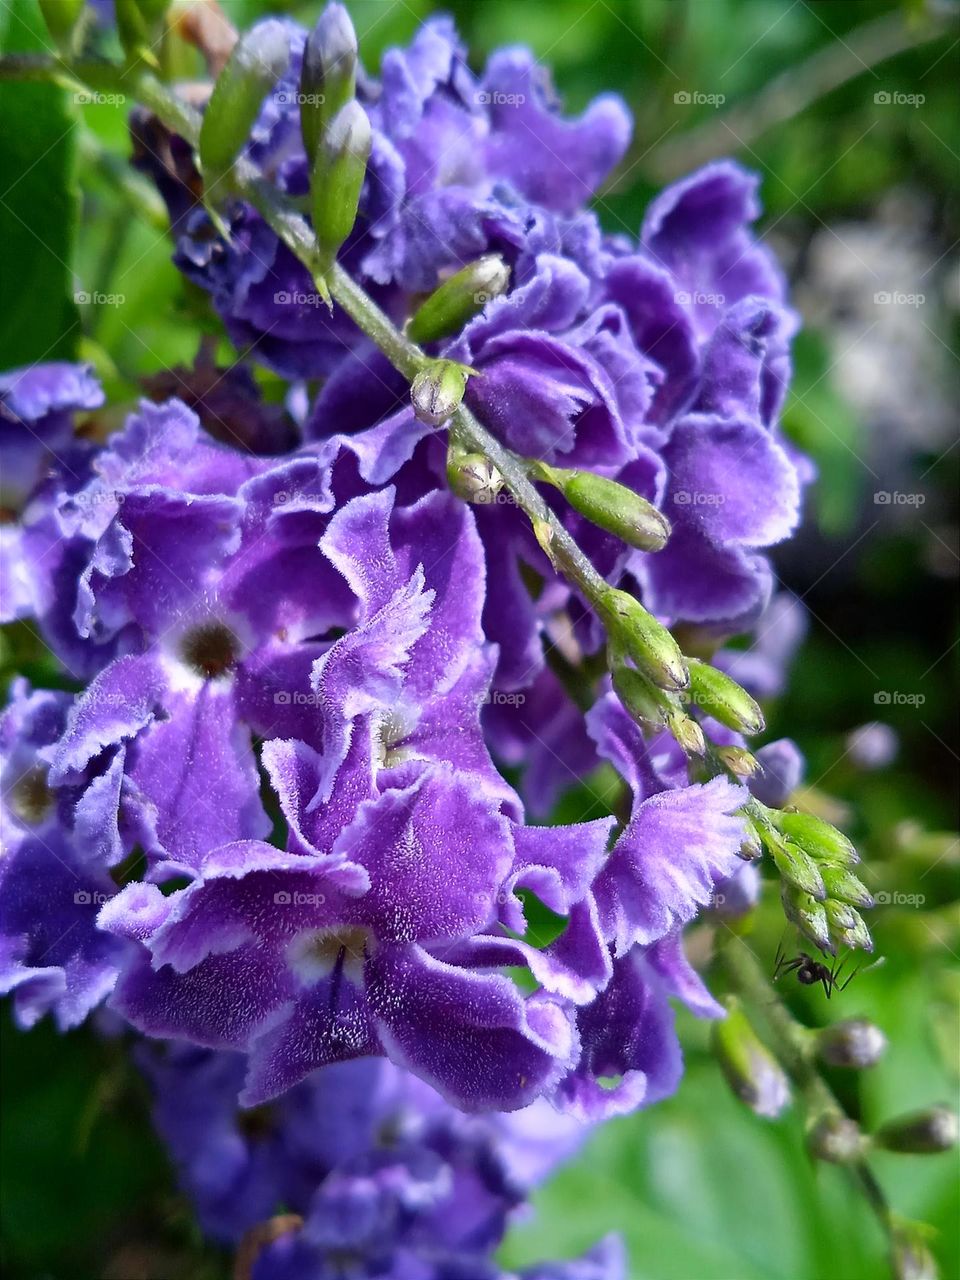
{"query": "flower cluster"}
pixel 372 1169
pixel 661 362
pixel 271 827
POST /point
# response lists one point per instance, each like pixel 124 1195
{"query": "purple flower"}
pixel 40 459
pixel 353 1119
pixel 458 165
pixel 403 850
pixel 53 878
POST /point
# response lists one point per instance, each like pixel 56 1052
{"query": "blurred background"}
pixel 849 111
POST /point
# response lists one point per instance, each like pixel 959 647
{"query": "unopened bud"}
pixel 841 915
pixel 797 869
pixel 437 390
pixel 920 1133
pixel 61 17
pixel 337 177
pixel 613 506
pixel 818 838
pixel 808 915
pixel 912 1259
pixel 472 476
pixel 258 60
pixel 721 697
pixel 854 1043
pixel 855 936
pixel 835 1138
pixel 751 1070
pixel 688 734
pixel 741 763
pixel 647 641
pixel 138 22
pixel 844 886
pixel 329 74
pixel 643 700
pixel 459 298
pixel 751 847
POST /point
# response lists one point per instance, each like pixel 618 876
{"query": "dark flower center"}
pixel 210 650
pixel 30 797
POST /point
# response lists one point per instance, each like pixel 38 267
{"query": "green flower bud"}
pixel 844 886
pixel 61 17
pixel 337 178
pixel 472 476
pixel 751 847
pixel 855 936
pixel 751 1070
pixel 920 1133
pixel 437 390
pixel 459 298
pixel 741 763
pixel 912 1259
pixel 138 25
pixel 797 869
pixel 818 838
pixel 688 734
pixel 258 60
pixel 721 697
pixel 329 75
pixel 853 1043
pixel 840 915
pixel 612 506
pixel 647 641
pixel 808 915
pixel 643 700
pixel 835 1138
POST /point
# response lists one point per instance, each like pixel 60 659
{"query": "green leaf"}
pixel 39 207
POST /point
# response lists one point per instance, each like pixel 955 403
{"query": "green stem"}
pixel 793 1048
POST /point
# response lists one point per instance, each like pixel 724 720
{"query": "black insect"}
pixel 810 971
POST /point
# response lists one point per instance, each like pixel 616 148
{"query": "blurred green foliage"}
pixel 700 1187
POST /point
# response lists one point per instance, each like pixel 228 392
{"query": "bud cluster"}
pixel 820 893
